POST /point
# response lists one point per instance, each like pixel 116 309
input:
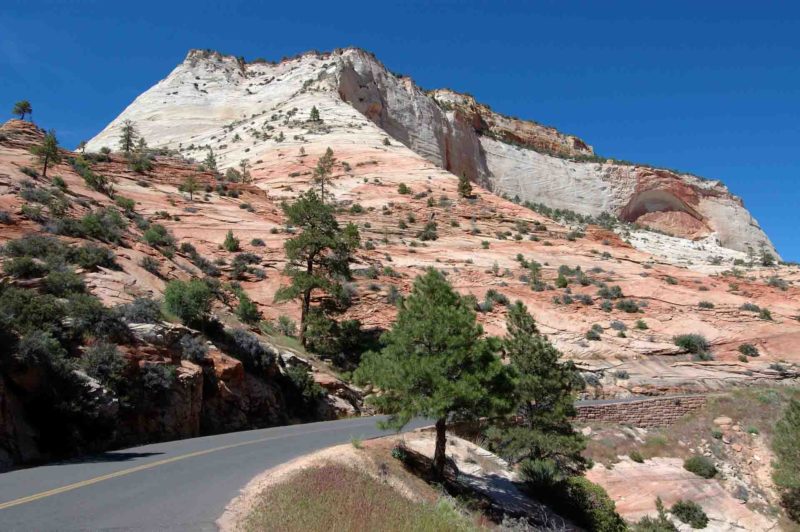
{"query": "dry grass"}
pixel 337 497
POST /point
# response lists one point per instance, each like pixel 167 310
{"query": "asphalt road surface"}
pixel 178 485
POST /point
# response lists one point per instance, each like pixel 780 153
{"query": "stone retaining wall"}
pixel 646 412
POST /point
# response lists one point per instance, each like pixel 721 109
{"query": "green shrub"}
pixel 103 224
pixel 636 456
pixel 690 513
pixel 641 325
pixel 247 311
pixel 402 188
pixel 627 305
pixel 613 292
pixel 786 472
pixel 693 343
pixel 40 349
pixel 157 380
pixel 193 349
pixel 765 314
pixel 62 283
pixel 428 232
pixel 26 311
pixel 246 347
pixel 231 243
pixel 158 236
pixel 140 310
pixel 287 326
pixel 89 317
pixel 25 268
pixel 105 363
pixel 188 300
pixel 750 307
pixel 706 304
pixel 700 465
pixel 151 265
pixel 660 523
pixel 590 506
pixel 91 257
pixel 257 242
pixel 304 383
pixel 748 350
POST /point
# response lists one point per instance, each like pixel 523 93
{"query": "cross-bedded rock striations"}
pixel 211 96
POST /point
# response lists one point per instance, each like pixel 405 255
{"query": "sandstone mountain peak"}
pixel 243 110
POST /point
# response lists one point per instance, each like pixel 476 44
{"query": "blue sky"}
pixel 709 87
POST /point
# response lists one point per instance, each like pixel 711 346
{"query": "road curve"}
pixel 177 485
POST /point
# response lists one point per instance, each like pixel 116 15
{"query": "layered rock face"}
pixel 217 101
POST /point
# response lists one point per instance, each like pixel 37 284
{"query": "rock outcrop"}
pixel 220 102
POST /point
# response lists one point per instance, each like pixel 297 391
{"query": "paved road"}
pixel 179 485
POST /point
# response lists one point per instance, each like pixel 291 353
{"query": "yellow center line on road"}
pixel 150 465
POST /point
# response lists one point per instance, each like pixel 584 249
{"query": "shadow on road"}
pixel 105 457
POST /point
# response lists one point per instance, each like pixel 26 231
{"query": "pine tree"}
pixel 190 185
pixel 210 161
pixel 323 171
pixel 436 363
pixel 319 256
pixel 47 152
pixel 128 136
pixel 22 108
pixel 464 186
pixel 787 453
pixel 82 146
pixel 544 438
pixel 231 243
pixel 314 114
pixel 244 166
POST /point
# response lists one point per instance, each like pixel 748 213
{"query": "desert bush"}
pixel 428 232
pixel 257 242
pixel 700 465
pixel 750 307
pixel 26 311
pixel 247 311
pixel 63 282
pixel 88 316
pixel 231 243
pixel 693 343
pixel 304 383
pixel 104 362
pixel 612 292
pixel 193 349
pixel 706 304
pixel 25 268
pixel 627 305
pixel 103 224
pixel 246 347
pixel 690 513
pixel 151 265
pixel 402 188
pixel 157 380
pixel 587 504
pixel 188 300
pixel 158 236
pixel 91 257
pixel 140 310
pixel 286 326
pixel 748 350
pixel 641 325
